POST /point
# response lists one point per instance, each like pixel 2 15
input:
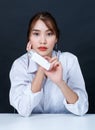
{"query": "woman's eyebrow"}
pixel 35 30
pixel 48 30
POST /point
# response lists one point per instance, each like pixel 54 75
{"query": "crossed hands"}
pixel 55 73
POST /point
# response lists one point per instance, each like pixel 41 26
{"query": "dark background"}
pixel 76 20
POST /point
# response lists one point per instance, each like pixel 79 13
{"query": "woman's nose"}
pixel 43 40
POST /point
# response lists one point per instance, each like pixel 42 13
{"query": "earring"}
pixel 56 46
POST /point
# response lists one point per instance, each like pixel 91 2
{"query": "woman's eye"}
pixel 36 34
pixel 49 33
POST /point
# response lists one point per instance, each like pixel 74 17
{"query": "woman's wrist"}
pixel 61 83
pixel 40 71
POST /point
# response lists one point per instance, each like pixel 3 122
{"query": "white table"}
pixel 47 122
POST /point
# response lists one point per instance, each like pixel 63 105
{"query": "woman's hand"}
pixel 56 72
pixel 29 46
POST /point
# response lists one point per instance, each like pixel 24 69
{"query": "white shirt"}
pixel 50 99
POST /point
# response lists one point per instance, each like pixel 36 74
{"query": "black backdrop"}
pixel 76 20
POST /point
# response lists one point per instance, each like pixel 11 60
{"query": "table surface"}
pixel 47 122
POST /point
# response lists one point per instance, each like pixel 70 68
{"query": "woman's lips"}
pixel 42 48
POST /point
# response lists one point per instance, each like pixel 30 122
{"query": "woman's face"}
pixel 42 39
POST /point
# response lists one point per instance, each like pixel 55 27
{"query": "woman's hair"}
pixel 49 21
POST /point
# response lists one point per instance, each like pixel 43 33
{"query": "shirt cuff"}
pixel 34 97
pixel 77 108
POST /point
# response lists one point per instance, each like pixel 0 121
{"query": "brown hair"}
pixel 48 19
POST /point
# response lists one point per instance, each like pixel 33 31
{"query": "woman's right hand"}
pixel 29 46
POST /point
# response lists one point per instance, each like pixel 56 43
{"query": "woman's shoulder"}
pixel 68 59
pixel 67 55
pixel 23 59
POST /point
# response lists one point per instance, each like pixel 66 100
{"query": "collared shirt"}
pixel 50 99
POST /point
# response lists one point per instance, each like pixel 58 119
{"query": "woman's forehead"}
pixel 42 24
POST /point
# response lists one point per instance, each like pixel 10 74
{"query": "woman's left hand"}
pixel 56 72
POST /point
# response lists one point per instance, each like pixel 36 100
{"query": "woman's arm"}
pixel 55 74
pixel 76 98
pixel 22 96
pixel 37 81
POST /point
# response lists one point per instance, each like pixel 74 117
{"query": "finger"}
pixel 47 58
pixel 53 59
pixel 29 46
pixel 54 64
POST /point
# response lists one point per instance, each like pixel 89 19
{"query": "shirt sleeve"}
pixel 77 84
pixel 21 96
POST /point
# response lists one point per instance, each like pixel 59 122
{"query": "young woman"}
pixel 37 90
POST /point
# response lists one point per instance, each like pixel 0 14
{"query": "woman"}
pixel 37 90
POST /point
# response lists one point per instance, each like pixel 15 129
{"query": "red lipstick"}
pixel 42 48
